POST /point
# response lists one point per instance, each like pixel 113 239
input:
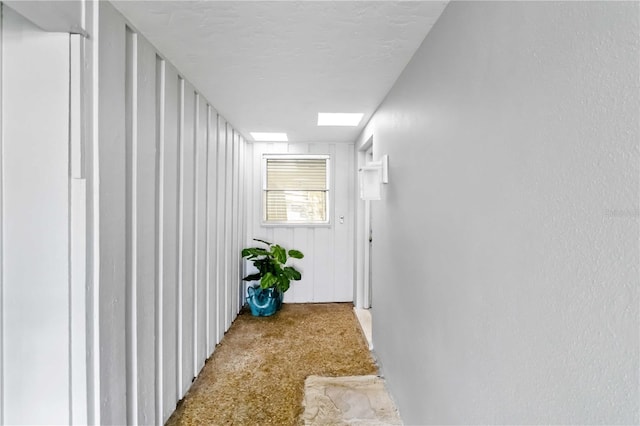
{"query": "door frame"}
pixel 363 252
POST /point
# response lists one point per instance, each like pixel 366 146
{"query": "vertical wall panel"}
pixel 91 101
pixel 200 239
pixel 131 218
pixel 235 224
pixel 160 74
pixel 169 263
pixel 228 224
pixel 212 228
pixel 235 258
pixel 344 217
pixel 188 215
pixel 35 190
pixel 349 234
pixel 2 231
pixel 242 217
pixel 180 254
pixel 146 231
pixel 78 239
pixel 250 203
pixel 111 154
pixel 220 278
pixel 323 259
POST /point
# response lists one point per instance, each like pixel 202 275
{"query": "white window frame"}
pixel 329 190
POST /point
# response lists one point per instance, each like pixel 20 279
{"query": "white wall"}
pixel 327 272
pixel 38 363
pixel 168 278
pixel 506 244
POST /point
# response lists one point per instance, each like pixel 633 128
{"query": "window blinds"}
pixel 296 190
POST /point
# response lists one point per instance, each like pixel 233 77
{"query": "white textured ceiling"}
pixel 271 66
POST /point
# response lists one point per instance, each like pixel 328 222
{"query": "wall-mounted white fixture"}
pixel 372 176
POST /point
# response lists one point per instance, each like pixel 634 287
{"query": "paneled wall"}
pixel 327 269
pixel 170 227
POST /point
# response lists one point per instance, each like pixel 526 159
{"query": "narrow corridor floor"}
pixel 256 376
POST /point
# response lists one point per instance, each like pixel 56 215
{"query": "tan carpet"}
pixel 256 375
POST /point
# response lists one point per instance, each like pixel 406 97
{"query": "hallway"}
pixel 468 169
pixel 257 373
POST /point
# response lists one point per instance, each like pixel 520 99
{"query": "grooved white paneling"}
pixel 111 154
pixel 212 229
pixel 200 240
pixel 344 218
pixel 221 293
pixel 180 254
pixel 235 246
pixel 327 272
pixel 36 334
pixel 146 230
pixel 243 221
pixel 228 224
pixel 169 263
pixel 188 223
pixel 170 219
pixel 131 223
pixel 250 202
pixel 159 331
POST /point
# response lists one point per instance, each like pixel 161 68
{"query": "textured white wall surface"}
pixel 327 269
pixel 506 245
pixel 36 366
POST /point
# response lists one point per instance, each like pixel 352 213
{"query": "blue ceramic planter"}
pixel 264 302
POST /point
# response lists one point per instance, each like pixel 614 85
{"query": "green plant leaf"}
pixel 296 254
pixel 252 277
pixel 254 252
pixel 268 280
pixel 279 253
pixel 263 264
pixel 283 283
pixel 292 273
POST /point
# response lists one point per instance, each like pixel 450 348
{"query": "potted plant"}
pixel 274 274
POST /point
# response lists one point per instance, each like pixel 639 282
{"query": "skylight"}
pixel 269 137
pixel 339 119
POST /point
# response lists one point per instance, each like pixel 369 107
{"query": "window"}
pixel 296 189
